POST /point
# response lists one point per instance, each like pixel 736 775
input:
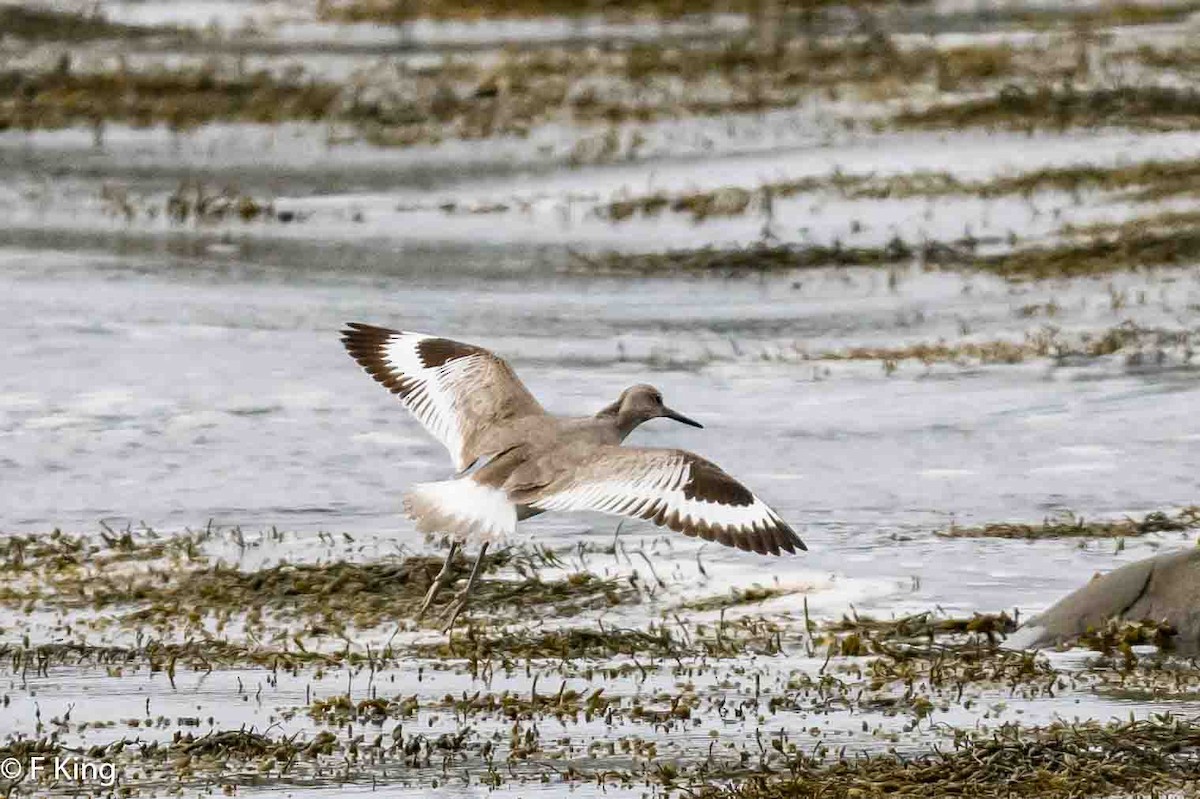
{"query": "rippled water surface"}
pixel 170 390
pixel 174 391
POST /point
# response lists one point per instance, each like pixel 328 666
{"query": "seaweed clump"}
pixel 507 645
pixel 1143 107
pixel 1132 248
pixel 326 597
pixel 1154 242
pixel 1069 525
pixel 396 12
pixel 1119 636
pixel 1057 761
pixel 1144 181
pixel 755 594
pixel 764 257
pixel 181 98
pixel 49 24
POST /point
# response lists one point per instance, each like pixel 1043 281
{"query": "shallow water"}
pixel 173 391
pixel 153 387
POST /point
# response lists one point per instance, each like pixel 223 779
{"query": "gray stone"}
pixel 1162 588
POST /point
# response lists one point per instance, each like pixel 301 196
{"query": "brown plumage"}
pixel 530 462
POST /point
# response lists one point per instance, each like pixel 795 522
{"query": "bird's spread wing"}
pixel 671 488
pixel 459 392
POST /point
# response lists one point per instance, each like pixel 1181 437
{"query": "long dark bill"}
pixel 679 417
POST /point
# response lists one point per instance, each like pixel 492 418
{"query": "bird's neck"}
pixel 622 423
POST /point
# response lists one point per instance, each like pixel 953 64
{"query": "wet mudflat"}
pixel 932 290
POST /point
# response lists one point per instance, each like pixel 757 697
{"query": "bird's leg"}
pixel 460 605
pixel 439 582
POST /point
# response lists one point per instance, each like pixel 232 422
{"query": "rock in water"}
pixel 1164 588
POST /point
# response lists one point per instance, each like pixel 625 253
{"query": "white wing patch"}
pixel 429 393
pixel 458 392
pixel 658 492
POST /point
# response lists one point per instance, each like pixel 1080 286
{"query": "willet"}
pixel 515 460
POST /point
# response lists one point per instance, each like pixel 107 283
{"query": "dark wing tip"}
pixel 366 343
pixel 788 539
pixel 360 331
pixel 772 540
pixel 363 342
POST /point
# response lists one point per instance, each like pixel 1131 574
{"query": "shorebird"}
pixel 515 460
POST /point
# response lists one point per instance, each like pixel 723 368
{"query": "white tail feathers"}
pixel 462 508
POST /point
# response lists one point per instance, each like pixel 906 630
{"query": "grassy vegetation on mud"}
pixel 1069 525
pixel 758 258
pixel 1137 245
pixel 1140 345
pixel 172 587
pixel 525 87
pixel 818 51
pixel 816 15
pixel 1132 248
pixel 473 98
pixel 1138 107
pixel 398 11
pixel 1071 76
pixel 39 24
pixel 191 202
pixel 362 714
pixel 151 582
pixel 178 98
pixel 1064 759
pixel 1142 181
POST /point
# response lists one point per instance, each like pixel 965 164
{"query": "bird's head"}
pixel 640 403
